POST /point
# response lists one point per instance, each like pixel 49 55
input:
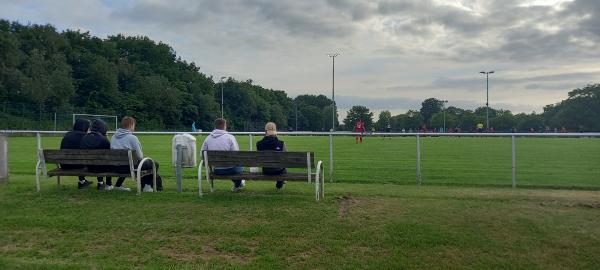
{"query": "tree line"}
pixel 46 71
pixel 580 112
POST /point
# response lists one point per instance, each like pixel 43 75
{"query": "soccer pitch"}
pixel 373 216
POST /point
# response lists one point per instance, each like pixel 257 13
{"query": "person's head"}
pixel 100 127
pixel 128 123
pixel 271 129
pixel 81 125
pixel 221 124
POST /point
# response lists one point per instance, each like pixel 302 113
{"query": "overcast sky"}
pixel 394 54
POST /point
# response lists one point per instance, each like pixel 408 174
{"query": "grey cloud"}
pixel 555 82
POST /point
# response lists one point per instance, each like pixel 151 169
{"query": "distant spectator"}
pixel 480 127
pixel 72 140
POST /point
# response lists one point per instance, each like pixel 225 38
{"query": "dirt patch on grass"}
pixel 571 204
pixel 344 205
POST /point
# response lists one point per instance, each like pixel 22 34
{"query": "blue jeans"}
pixel 230 171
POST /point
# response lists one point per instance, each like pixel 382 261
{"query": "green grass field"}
pixel 464 215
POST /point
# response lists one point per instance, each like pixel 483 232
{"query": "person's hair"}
pixel 220 123
pixel 127 122
pixel 271 128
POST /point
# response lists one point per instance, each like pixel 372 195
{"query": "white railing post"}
pixel 39 141
pixel 514 163
pixel 250 141
pixel 331 157
pixel 418 160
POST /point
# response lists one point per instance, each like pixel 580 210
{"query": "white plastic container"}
pixel 188 149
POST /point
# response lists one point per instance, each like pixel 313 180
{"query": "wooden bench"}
pixel 101 157
pixel 211 159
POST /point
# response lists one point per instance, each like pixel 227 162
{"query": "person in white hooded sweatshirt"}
pixel 220 140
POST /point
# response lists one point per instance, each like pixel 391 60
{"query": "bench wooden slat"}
pixel 259 159
pixel 89 157
pixel 260 176
pixel 84 172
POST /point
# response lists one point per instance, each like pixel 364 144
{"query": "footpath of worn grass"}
pixel 550 162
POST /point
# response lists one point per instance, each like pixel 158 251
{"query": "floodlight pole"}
pixel 333 56
pixel 222 78
pixel 487 98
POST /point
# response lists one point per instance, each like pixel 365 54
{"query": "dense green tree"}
pixel 429 107
pixel 385 118
pixel 358 113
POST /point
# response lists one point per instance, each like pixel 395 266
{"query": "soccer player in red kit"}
pixel 359 126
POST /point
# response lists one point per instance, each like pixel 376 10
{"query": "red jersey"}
pixel 359 126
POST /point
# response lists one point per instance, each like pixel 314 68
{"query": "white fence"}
pixel 418 136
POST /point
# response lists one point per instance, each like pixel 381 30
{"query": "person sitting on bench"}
pixel 271 143
pixel 72 140
pixel 220 140
pixel 124 139
pixel 97 139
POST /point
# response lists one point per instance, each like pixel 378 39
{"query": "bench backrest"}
pixel 89 157
pixel 260 159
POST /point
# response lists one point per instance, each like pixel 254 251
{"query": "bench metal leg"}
pixel 37 176
pixel 200 178
pixel 139 175
pixel 319 181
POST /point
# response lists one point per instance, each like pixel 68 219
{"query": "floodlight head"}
pixel 333 54
pixel 491 72
pixel 482 72
pixel 222 78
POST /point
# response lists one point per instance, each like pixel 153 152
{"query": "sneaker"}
pixel 147 188
pixel 107 187
pixel 242 185
pixel 84 184
pixel 279 185
pixel 122 188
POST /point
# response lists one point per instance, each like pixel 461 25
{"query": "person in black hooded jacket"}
pixel 97 139
pixel 271 143
pixel 72 140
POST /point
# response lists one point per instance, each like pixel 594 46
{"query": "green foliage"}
pixel 124 75
pixel 385 118
pixel 580 111
pixel 429 107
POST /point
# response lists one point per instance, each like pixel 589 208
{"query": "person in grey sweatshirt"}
pixel 124 139
pixel 220 140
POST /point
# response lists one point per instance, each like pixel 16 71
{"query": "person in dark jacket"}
pixel 97 139
pixel 271 143
pixel 72 140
